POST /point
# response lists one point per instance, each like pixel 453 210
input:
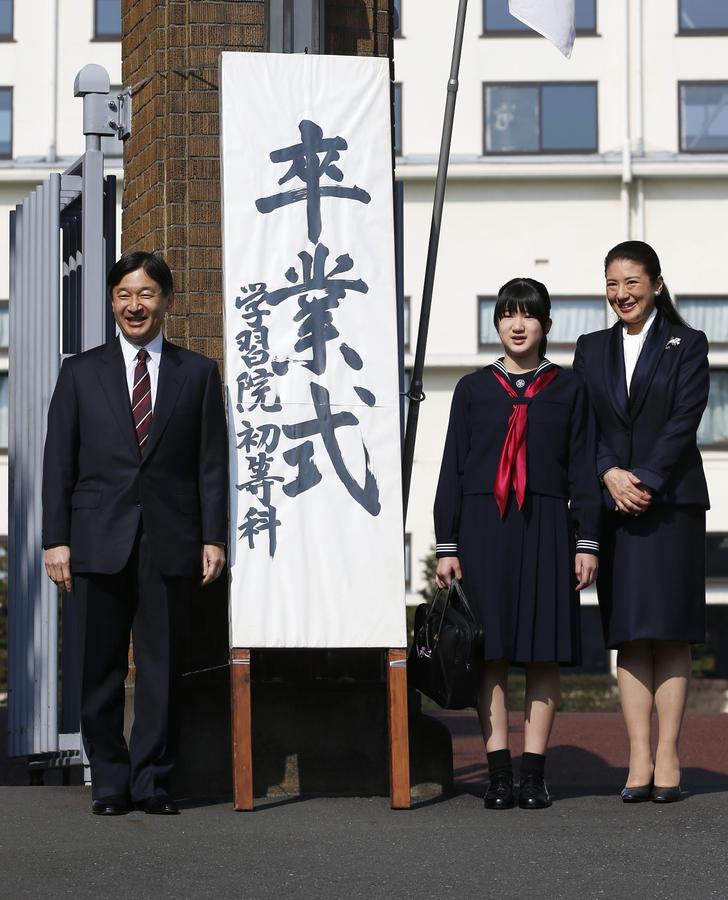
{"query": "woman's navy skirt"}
pixel 652 576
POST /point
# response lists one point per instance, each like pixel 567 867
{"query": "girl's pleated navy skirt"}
pixel 518 575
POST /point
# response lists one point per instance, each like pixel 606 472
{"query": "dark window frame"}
pixel 490 298
pixel 707 82
pixel 529 32
pixel 722 444
pixel 8 37
pixel 541 84
pixel 397 149
pixel 680 298
pixel 696 32
pixel 717 537
pixel 9 87
pixel 105 37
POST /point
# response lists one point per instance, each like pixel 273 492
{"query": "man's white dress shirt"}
pixel 154 349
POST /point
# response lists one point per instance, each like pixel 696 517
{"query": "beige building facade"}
pixel 554 161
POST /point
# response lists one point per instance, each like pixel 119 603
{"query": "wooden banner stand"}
pixel 242 734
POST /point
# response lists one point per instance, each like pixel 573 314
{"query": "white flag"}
pixel 554 19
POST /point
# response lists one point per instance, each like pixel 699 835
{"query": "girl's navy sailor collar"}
pixel 543 366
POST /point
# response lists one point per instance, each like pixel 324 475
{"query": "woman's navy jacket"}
pixel 652 433
pixel 560 447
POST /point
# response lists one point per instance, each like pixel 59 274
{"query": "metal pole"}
pixel 415 394
pixel 92 231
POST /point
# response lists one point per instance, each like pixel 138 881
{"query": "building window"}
pixel 6 122
pixel 708 314
pixel 398 18
pixel 6 20
pixel 713 431
pixel 570 316
pixel 3 412
pixel 487 334
pixel 398 120
pixel 716 556
pixel 408 562
pixel 573 316
pixel 498 21
pixel 703 116
pixel 540 118
pixel 406 336
pixel 703 17
pixel 4 325
pixel 107 20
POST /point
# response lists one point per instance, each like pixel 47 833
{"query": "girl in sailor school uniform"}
pixel 648 380
pixel 517 516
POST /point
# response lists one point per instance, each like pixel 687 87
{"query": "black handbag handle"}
pixel 454 588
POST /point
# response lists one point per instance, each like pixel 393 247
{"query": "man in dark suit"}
pixel 134 515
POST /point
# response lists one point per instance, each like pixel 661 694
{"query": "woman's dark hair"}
pixel 641 253
pixel 154 266
pixel 525 295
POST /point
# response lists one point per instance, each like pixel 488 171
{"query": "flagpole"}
pixel 415 393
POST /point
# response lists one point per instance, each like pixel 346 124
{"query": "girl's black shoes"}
pixel 500 794
pixel 532 793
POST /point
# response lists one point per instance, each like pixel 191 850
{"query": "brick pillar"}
pixel 171 200
pixel 172 170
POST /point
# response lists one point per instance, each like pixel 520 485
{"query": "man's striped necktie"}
pixel 141 399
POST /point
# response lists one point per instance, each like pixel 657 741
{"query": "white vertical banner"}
pixel 316 549
pixel 554 19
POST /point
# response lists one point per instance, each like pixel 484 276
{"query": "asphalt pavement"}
pixel 588 845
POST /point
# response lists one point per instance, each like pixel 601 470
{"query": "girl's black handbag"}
pixel 446 657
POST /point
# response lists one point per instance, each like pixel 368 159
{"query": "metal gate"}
pixel 62 242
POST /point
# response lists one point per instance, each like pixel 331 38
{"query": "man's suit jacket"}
pixel 653 431
pixel 97 487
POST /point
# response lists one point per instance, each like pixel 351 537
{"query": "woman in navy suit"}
pixel 648 382
pixel 517 517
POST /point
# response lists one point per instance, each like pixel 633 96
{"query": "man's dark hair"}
pixel 154 266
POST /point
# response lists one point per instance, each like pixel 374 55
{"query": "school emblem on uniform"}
pixel 673 342
pixel 521 383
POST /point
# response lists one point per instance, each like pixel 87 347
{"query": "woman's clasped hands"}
pixel 629 494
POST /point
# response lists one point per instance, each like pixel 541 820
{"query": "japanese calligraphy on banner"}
pixel 316 549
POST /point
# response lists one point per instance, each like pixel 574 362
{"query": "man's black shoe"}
pixel 500 792
pixel 111 806
pixel 161 805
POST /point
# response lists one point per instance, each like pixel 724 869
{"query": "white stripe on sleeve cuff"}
pixel 587 546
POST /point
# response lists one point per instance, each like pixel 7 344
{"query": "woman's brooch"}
pixel 673 342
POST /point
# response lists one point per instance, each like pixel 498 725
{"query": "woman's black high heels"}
pixel 666 794
pixel 638 794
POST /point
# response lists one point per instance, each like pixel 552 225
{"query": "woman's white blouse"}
pixel 633 344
